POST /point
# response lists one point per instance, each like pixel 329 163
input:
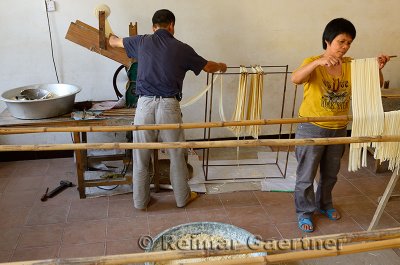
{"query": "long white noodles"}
pixel 368 116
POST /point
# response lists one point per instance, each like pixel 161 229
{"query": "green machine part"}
pixel 131 98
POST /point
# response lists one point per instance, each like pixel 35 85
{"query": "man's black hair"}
pixel 163 18
pixel 335 27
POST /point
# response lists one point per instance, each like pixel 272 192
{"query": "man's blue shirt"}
pixel 162 62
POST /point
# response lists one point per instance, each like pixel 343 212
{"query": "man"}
pixel 163 63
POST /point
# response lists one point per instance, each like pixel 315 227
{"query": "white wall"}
pixel 265 32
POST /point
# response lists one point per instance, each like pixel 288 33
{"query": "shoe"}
pixel 305 221
pixel 329 213
pixel 193 196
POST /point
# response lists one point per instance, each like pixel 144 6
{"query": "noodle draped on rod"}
pixel 390 151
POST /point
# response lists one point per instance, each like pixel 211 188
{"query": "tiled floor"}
pixel 66 226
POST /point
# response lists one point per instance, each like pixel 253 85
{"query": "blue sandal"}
pixel 305 221
pixel 329 213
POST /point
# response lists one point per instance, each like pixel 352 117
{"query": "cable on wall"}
pixel 51 42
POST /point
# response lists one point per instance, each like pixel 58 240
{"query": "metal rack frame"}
pixel 208 114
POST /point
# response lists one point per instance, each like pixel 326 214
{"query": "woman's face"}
pixel 339 45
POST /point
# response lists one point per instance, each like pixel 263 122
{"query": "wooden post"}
pixel 79 167
pixel 102 30
pixel 133 29
pixel 383 201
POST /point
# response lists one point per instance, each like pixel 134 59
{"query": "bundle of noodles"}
pixel 390 151
pixel 368 116
pixel 254 106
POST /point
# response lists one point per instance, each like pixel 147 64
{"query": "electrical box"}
pixel 50 5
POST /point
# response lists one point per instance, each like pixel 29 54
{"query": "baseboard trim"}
pixel 32 155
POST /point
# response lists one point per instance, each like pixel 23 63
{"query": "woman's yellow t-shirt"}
pixel 326 95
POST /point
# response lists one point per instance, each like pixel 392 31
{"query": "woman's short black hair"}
pixel 335 27
pixel 163 18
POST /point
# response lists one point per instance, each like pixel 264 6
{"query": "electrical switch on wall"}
pixel 50 5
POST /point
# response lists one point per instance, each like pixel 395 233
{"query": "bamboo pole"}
pixel 308 254
pixel 202 144
pixel 20 130
pixel 382 234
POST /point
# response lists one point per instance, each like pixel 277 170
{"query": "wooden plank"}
pixel 110 182
pixel 88 37
pixel 88 27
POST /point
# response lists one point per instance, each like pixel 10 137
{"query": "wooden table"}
pixel 110 118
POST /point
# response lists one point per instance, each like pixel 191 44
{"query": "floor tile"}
pixel 88 209
pixel 205 203
pixel 213 215
pixel 161 222
pixel 125 228
pixel 126 246
pixel 124 208
pixel 32 168
pixel 13 217
pixel 84 232
pixel 40 236
pixel 3 183
pixel 370 185
pixel 363 217
pixel 393 209
pixel 5 256
pixel 19 199
pixel 279 214
pixel 237 199
pixel 82 250
pixel 248 215
pixel 7 169
pixel 263 232
pixel 267 198
pixel 38 253
pixel 48 214
pixel 345 188
pixel 24 183
pixel 9 238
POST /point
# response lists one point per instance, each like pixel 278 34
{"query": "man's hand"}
pixel 222 67
pixel 212 67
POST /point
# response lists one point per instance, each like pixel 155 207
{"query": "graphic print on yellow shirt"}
pixel 326 95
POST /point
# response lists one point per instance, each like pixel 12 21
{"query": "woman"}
pixel 327 91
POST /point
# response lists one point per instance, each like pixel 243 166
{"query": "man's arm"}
pixel 115 42
pixel 212 67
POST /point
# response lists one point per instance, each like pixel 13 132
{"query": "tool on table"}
pixel 63 185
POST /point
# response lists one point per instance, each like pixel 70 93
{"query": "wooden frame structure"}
pixel 96 41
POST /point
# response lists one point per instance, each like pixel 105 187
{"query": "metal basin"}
pixel 227 231
pixel 60 102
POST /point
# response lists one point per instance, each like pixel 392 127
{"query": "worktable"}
pixel 108 118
